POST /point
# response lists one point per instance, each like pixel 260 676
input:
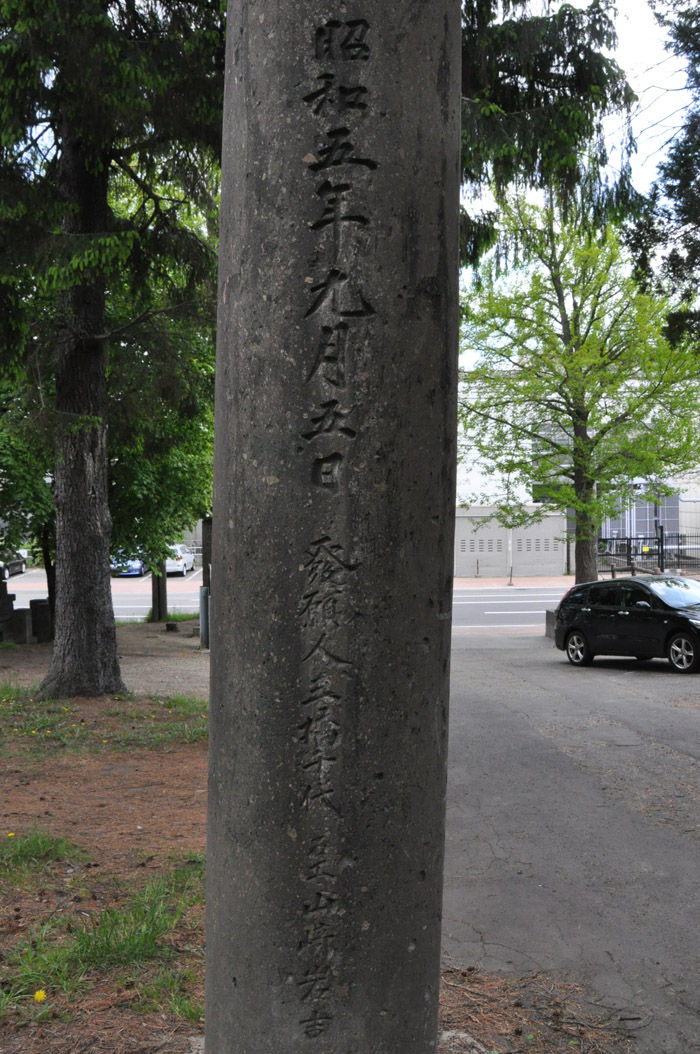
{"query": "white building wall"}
pixel 483 548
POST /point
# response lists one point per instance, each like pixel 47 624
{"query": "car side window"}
pixel 633 594
pixel 606 594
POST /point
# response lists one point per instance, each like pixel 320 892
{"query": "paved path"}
pixel 573 829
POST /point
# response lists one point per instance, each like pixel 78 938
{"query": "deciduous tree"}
pixel 569 383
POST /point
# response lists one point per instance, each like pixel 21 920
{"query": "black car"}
pixel 647 616
pixel 12 564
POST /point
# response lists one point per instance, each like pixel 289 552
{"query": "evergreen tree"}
pixel 680 172
pixel 94 92
pixel 535 90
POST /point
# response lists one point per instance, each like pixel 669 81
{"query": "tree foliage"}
pixel 536 87
pixel 572 387
pixel 26 465
pixel 161 412
pixel 679 226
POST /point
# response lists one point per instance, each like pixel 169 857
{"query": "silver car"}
pixel 180 560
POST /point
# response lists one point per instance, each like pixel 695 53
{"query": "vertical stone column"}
pixel 333 526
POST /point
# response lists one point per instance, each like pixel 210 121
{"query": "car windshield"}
pixel 677 592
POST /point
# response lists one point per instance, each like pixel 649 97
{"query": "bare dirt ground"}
pixel 134 811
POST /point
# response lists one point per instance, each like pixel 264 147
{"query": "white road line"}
pixel 502 600
pixel 497 625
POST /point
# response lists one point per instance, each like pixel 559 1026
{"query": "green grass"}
pixel 168 990
pixel 165 721
pixel 62 955
pixel 174 616
pixel 36 726
pixel 25 856
pixel 40 727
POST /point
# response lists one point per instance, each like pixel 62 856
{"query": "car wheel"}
pixel 23 568
pixel 683 653
pixel 577 651
pixel 184 571
pixel 6 573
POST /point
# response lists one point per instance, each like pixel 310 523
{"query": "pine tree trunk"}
pixel 85 660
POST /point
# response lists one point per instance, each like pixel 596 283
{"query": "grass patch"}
pixel 43 727
pixel 160 722
pixel 57 958
pixel 168 990
pixel 37 726
pixel 25 856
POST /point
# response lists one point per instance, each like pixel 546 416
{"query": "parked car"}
pixel 123 566
pixel 180 560
pixel 647 616
pixel 12 564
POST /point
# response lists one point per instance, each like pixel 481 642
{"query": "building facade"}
pixel 484 548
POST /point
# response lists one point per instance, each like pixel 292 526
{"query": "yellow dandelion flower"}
pixel 39 995
pixel 10 834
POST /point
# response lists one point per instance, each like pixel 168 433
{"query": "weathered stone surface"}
pixel 333 519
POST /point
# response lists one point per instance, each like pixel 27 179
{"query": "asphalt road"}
pixel 131 597
pixel 476 607
pixel 503 608
pixel 573 829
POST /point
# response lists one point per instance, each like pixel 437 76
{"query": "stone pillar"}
pixel 333 526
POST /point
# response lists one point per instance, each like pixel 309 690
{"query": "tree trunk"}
pixel 47 556
pixel 159 594
pixel 586 554
pixel 585 550
pixel 333 528
pixel 85 660
pixel 586 544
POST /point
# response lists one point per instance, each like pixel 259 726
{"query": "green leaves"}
pixel 535 90
pixel 570 385
pixel 110 121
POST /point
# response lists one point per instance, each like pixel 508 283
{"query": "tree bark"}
pixel 586 536
pixel 85 660
pixel 333 527
pixel 47 556
pixel 159 594
pixel 585 551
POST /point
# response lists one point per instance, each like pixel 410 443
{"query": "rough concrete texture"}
pixel 333 522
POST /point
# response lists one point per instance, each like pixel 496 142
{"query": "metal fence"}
pixel 666 551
